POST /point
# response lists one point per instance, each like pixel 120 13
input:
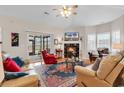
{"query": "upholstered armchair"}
pixel 48 58
pixel 108 71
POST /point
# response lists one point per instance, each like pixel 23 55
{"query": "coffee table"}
pixel 73 63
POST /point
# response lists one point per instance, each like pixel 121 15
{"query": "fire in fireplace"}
pixel 71 50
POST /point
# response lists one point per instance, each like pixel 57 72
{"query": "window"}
pixel 46 43
pixel 38 43
pixel 34 46
pixel 103 40
pixel 31 45
pixel 115 38
pixel 91 42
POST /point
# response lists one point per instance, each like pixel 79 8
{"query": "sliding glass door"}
pixel 38 43
pixel 46 43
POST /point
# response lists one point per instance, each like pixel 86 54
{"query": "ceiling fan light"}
pixel 69 8
pixel 64 7
pixel 62 13
pixel 69 12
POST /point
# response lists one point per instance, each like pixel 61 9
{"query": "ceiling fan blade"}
pixel 75 6
pixel 74 13
pixel 46 13
pixel 54 9
pixel 57 15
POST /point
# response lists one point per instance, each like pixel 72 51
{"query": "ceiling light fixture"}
pixel 66 11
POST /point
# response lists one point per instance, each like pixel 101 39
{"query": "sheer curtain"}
pixel 115 38
pixel 91 42
pixel 103 40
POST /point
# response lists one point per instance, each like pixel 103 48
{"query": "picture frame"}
pixel 55 41
pixel 71 36
pixel 14 39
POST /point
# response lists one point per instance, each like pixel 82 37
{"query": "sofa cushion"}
pixel 13 75
pixel 122 53
pixel 10 65
pixel 18 61
pixel 107 64
pixel 96 64
pixel 26 81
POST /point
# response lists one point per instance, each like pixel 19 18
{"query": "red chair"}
pixel 48 58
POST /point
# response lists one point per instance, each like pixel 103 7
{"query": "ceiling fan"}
pixel 65 11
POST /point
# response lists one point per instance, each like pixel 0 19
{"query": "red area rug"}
pixel 56 75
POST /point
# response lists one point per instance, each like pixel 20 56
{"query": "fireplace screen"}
pixel 71 50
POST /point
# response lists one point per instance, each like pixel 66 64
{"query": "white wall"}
pixel 11 24
pixel 60 36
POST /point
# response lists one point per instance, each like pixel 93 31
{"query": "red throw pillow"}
pixel 11 66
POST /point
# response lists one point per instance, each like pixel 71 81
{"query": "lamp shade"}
pixel 117 46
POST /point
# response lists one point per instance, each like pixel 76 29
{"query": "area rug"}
pixel 56 75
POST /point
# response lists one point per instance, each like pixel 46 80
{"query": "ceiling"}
pixel 87 14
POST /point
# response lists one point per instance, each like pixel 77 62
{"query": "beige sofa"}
pixel 26 81
pixel 109 69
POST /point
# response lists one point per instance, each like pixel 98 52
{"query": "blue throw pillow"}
pixel 13 75
pixel 18 61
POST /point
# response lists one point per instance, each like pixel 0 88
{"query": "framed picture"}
pixel 55 41
pixel 15 39
pixel 71 36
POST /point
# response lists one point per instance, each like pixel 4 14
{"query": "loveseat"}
pixel 30 80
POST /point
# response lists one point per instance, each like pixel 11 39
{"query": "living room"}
pixel 56 49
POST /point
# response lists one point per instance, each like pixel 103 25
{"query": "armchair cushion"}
pixel 84 71
pixel 49 55
pixel 122 53
pixel 107 64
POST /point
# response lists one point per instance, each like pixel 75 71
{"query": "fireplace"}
pixel 71 50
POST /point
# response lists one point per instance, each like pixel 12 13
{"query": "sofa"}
pixel 30 80
pixel 105 76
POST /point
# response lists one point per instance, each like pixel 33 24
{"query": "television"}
pixel 71 36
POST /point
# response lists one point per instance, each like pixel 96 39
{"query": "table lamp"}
pixel 117 46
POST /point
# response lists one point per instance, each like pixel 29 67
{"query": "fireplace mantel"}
pixel 71 42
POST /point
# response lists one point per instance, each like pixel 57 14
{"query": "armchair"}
pixel 108 71
pixel 48 58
